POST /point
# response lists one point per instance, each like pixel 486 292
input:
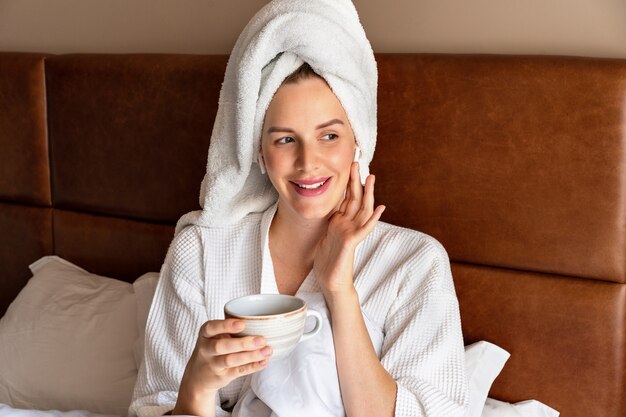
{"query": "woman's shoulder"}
pixel 413 242
pixel 196 232
pixel 413 258
pixel 193 240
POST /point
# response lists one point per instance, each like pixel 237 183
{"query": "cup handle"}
pixel 316 329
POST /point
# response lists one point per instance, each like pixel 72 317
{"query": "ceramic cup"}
pixel 279 318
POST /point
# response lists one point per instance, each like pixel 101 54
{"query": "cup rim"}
pixel 229 312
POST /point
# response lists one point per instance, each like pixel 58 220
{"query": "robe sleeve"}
pixel 423 346
pixel 177 312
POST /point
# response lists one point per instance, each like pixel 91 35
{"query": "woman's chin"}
pixel 314 211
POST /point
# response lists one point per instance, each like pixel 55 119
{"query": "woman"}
pixel 322 234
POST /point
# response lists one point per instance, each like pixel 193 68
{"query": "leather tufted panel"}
pixel 25 236
pixel 565 335
pixel 130 133
pixel 24 169
pixel 117 248
pixel 509 161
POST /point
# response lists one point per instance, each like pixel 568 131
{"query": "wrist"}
pixel 195 403
pixel 342 299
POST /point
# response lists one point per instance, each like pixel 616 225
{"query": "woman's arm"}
pixel 367 388
pixel 422 352
pixel 177 313
pixel 423 343
pixel 423 347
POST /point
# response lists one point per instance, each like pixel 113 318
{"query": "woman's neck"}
pixel 290 233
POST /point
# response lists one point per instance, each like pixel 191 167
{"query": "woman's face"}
pixel 308 147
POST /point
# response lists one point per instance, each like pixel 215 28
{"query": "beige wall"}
pixel 557 27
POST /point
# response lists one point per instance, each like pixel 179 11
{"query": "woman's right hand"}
pixel 217 359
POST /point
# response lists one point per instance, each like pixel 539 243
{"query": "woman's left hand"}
pixel 347 227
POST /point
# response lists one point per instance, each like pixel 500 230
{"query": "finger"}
pixel 356 191
pixel 367 206
pixel 225 346
pixel 346 197
pixel 371 222
pixel 213 328
pixel 247 369
pixel 344 203
pixel 239 359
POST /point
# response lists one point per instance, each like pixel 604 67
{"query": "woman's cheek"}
pixel 345 162
pixel 273 163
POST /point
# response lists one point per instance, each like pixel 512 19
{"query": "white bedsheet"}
pixel 8 411
pixel 530 408
pixel 493 408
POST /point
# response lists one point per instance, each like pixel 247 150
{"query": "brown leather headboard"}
pixel 517 164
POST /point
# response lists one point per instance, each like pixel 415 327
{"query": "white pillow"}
pixel 144 287
pixel 483 363
pixel 534 408
pixel 495 408
pixel 530 408
pixel 66 341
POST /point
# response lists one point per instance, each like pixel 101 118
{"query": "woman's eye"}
pixel 285 140
pixel 331 136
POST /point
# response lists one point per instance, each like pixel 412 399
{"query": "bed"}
pixel 517 164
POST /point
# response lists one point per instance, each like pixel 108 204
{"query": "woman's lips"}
pixel 312 189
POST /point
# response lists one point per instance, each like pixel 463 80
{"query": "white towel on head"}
pixel 326 34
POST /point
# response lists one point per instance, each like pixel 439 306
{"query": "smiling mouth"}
pixel 310 185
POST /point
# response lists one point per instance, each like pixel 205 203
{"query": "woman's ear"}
pixel 259 160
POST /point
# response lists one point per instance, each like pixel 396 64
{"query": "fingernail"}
pixel 259 341
pixel 238 325
pixel 266 351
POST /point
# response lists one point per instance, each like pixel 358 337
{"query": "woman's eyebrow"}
pixel 286 129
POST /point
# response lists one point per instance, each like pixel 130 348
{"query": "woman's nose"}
pixel 307 158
